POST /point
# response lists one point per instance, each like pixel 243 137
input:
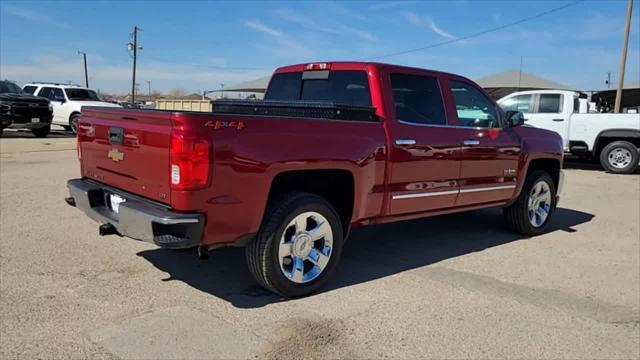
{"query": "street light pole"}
pixel 86 74
pixel 133 46
pixel 623 57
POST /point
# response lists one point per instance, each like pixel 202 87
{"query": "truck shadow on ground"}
pixel 370 253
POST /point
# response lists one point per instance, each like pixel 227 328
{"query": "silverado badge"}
pixel 115 155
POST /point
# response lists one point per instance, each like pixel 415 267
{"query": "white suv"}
pixel 67 101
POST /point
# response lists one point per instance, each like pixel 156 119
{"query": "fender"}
pixel 615 133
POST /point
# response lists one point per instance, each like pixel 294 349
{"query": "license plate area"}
pixel 35 120
pixel 114 201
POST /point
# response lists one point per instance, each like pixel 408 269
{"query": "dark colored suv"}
pixel 19 110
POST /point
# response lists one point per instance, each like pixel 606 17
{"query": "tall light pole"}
pixel 149 84
pixel 623 57
pixel 86 75
pixel 133 46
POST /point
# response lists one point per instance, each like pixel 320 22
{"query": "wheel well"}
pixel 335 186
pixel 551 166
pixel 606 140
pixel 72 114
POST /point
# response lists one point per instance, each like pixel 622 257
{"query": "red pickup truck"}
pixel 333 146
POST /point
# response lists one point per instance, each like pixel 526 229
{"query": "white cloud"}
pixel 257 25
pixel 427 22
pixel 32 15
pixel 328 27
pixel 389 5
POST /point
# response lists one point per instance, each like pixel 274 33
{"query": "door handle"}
pixel 471 142
pixel 405 142
pixel 558 120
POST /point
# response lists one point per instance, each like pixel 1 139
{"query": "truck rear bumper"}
pixel 136 217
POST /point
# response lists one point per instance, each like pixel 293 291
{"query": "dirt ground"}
pixel 456 286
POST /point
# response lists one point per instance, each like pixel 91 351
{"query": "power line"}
pixel 483 32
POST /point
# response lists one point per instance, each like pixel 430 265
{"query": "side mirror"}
pixel 513 119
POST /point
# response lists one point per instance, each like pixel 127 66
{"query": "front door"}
pixel 489 155
pixel 424 149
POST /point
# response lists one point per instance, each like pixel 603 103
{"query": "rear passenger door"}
pixel 425 165
pixel 489 154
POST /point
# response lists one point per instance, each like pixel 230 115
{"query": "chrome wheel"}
pixel 619 158
pixel 305 247
pixel 539 203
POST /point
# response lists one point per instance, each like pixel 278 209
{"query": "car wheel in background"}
pixel 73 123
pixel 530 214
pixel 298 246
pixel 42 132
pixel 619 157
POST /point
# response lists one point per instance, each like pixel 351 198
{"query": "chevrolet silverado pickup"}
pixel 333 146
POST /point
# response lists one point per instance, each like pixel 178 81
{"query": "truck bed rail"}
pixel 295 109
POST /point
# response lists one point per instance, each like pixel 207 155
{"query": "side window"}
pixel 58 95
pixel 522 103
pixel 550 103
pixel 29 89
pixel 418 99
pixel 46 92
pixel 473 107
pixel 285 86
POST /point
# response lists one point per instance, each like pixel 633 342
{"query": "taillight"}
pixel 189 167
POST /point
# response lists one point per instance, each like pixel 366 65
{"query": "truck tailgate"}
pixel 128 150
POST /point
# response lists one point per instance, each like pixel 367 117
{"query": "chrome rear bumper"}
pixel 136 218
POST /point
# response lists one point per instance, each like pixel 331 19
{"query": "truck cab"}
pixel 613 139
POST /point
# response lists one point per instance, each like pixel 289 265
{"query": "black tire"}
pixel 609 159
pixel 73 123
pixel 41 132
pixel 517 214
pixel 262 253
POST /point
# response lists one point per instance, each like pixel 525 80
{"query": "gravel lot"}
pixel 456 286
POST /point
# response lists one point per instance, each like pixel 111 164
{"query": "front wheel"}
pixel 619 157
pixel 41 132
pixel 529 215
pixel 298 246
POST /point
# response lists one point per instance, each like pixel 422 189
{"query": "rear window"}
pixel 550 103
pixel 343 87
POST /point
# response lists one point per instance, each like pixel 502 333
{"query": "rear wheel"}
pixel 619 157
pixel 529 215
pixel 298 246
pixel 73 123
pixel 42 132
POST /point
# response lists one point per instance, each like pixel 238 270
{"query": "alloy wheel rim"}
pixel 305 247
pixel 539 204
pixel 619 158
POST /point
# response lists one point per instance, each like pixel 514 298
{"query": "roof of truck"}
pixel 354 65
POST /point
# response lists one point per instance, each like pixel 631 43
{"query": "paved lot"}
pixel 455 286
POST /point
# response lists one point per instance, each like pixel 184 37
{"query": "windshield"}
pixel 9 87
pixel 81 94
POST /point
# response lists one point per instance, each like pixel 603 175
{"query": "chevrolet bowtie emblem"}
pixel 115 155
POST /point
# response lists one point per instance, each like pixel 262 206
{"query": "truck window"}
pixel 550 103
pixel 57 95
pixel 417 99
pixel 522 103
pixel 46 92
pixel 344 87
pixel 29 89
pixel 473 107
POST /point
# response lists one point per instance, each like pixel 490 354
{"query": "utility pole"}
pixel 222 91
pixel 149 84
pixel 623 57
pixel 86 75
pixel 133 46
pixel 609 80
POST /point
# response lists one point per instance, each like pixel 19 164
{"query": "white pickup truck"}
pixel 614 139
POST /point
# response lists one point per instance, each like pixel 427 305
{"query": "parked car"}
pixel 67 101
pixel 333 146
pixel 614 139
pixel 23 111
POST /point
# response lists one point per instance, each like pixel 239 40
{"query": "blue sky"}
pixel 199 45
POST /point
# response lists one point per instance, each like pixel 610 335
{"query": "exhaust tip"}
pixel 71 201
pixel 107 229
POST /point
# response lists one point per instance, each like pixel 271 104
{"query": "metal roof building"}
pixel 505 83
